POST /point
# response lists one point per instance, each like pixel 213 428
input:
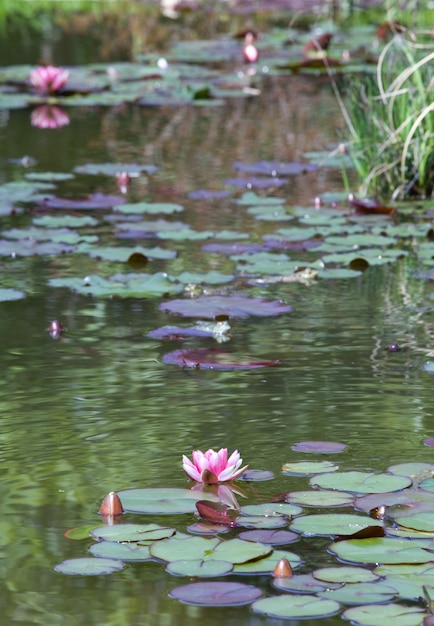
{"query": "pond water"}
pixel 98 410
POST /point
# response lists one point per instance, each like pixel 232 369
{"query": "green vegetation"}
pixel 390 117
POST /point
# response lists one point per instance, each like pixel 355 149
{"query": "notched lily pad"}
pixel 216 594
pixel 319 447
pixel 132 533
pixel 361 482
pixel 296 607
pixel 93 201
pixel 323 524
pixel 209 307
pixel 378 615
pixel 88 566
pixel 199 568
pixel 306 468
pixel 121 551
pixel 162 501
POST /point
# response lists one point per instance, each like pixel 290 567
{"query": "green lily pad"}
pixel 208 278
pixel 267 564
pixel 361 482
pixel 417 521
pixel 121 551
pixel 296 606
pixel 163 501
pixel 408 580
pixel 338 272
pixel 111 169
pixel 64 221
pixel 332 524
pixel 199 568
pixel 361 593
pixel 378 615
pixel 416 471
pixel 250 198
pixel 87 566
pixel 306 468
pixel 125 286
pixel 262 522
pixel 348 574
pixel 8 295
pixel 152 208
pixel 271 509
pixel 49 176
pixel 123 254
pixel 384 550
pixel 133 532
pixel 201 548
pixel 321 498
pixel 185 234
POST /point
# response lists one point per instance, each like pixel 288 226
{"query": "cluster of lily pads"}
pixel 203 72
pixel 332 239
pixel 379 567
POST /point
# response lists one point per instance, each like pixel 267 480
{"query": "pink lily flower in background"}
pixel 49 79
pixel 213 467
pixel 49 117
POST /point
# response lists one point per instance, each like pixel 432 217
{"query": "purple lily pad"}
pixel 275 168
pixel 270 537
pixel 255 475
pixel 281 244
pixel 209 307
pixel 207 194
pixel 212 359
pixel 93 201
pixel 319 447
pixel 429 441
pixel 256 181
pixel 216 594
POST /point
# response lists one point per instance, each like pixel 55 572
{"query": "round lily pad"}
pixel 414 471
pixel 361 482
pixel 121 551
pixel 132 532
pixel 254 475
pixel 323 498
pixel 267 564
pixel 88 566
pixel 300 583
pixel 378 615
pixel 361 593
pixel 209 307
pixel 417 521
pixel 296 606
pixel 303 468
pixel 319 447
pixel 384 550
pixel 8 295
pixel 332 524
pixel 162 501
pixel 271 537
pixel 348 574
pixel 199 568
pixel 216 594
pixel 261 521
pixel 271 509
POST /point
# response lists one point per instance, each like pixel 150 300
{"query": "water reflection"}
pixel 49 116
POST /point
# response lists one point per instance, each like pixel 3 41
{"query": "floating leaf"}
pixel 94 201
pixel 153 208
pixel 305 468
pixel 89 566
pixel 300 583
pixel 408 580
pixel 332 524
pixel 296 606
pixel 275 168
pixel 271 537
pixel 266 565
pixel 347 574
pixel 111 169
pixel 209 307
pixel 122 286
pixel 132 532
pixel 321 498
pixel 80 532
pixel 216 594
pixel 121 551
pixel 260 521
pixel 123 255
pixel 162 501
pixel 250 198
pixel 361 482
pixel 378 615
pixel 8 295
pixel 319 447
pixel 271 509
pixel 254 475
pixel 385 550
pixel 199 569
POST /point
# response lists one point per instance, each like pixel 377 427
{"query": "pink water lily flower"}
pixel 213 467
pixel 49 79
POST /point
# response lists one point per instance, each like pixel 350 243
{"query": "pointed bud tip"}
pixel 111 505
pixel 283 569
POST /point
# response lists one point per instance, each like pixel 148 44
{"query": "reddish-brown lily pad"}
pixel 209 307
pixel 213 359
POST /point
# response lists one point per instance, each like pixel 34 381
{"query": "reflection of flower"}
pixel 212 467
pixel 225 493
pixel 49 117
pixel 49 79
